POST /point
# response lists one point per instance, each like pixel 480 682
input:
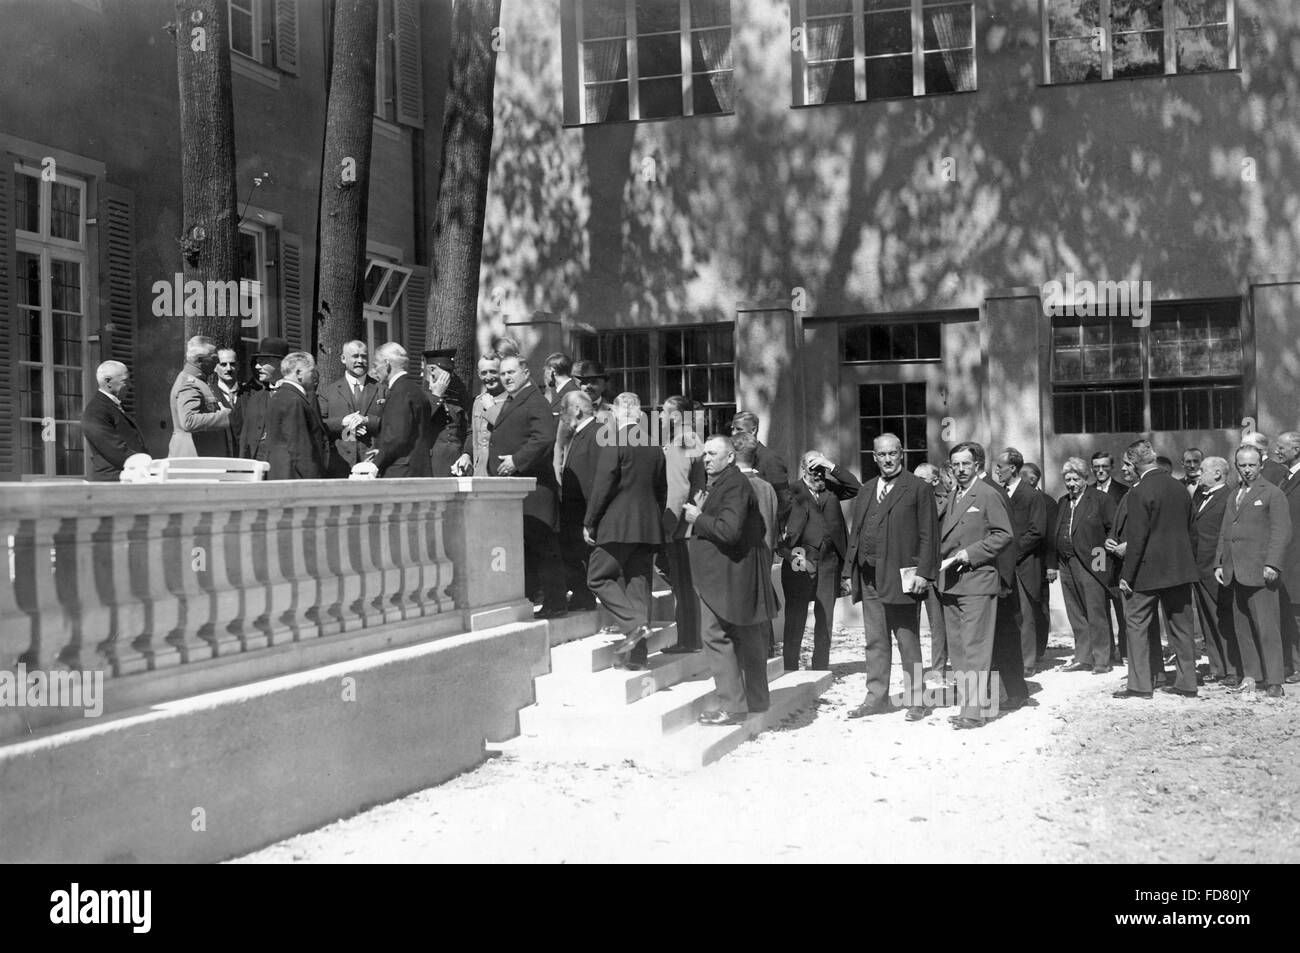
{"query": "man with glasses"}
pixel 891 562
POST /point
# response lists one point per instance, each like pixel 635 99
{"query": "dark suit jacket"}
pixel 911 537
pixel 450 425
pixel 1158 532
pixel 525 429
pixel 1049 540
pixel 249 421
pixel 772 468
pixel 405 430
pixel 1006 561
pixel 336 402
pixel 979 522
pixel 111 435
pixel 730 563
pixel 295 436
pixel 578 478
pixel 1274 472
pixel 1116 490
pixel 631 489
pixel 1094 520
pixel 572 385
pixel 820 526
pixel 1255 534
pixel 1029 523
pixel 1291 571
pixel 1207 524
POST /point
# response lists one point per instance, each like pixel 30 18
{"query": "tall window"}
pixel 1086 40
pixel 892 408
pixel 853 50
pixel 250 262
pixel 250 29
pixel 1183 372
pixel 50 260
pixel 385 282
pixel 698 361
pixel 650 59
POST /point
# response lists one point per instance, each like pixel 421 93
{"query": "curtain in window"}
pixel 822 42
pixel 716 46
pixel 604 64
pixel 959 63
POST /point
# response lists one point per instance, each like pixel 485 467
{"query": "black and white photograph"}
pixel 652 432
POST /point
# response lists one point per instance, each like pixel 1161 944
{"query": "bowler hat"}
pixel 589 369
pixel 442 357
pixel 276 349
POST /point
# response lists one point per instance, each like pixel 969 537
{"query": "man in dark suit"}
pixel 892 560
pixel 1029 524
pixel 1043 616
pixel 200 424
pixel 350 407
pixel 1008 656
pixel 449 402
pixel 1159 569
pixel 227 388
pixel 522 444
pixel 769 464
pixel 932 475
pixel 556 375
pixel 1084 518
pixel 684 462
pixel 1287 453
pixel 624 526
pixel 1193 459
pixel 1103 465
pixel 974 530
pixel 250 413
pixel 1214 601
pixel 732 574
pixel 813 543
pixel 405 424
pixel 295 433
pixel 110 434
pixel 1252 550
pixel 577 478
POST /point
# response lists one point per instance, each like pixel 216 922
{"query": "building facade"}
pixel 1053 224
pixel 90 197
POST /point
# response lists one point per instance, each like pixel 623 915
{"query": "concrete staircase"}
pixel 588 711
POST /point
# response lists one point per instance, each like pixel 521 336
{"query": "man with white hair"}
pixel 350 406
pixel 1214 601
pixel 405 423
pixel 200 424
pixel 111 435
pixel 295 433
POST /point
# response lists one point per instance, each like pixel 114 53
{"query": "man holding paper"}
pixel 891 561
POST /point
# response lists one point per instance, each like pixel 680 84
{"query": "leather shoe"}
pixel 1175 690
pixel 621 664
pixel 1293 678
pixel 554 612
pixel 917 713
pixel 718 718
pixel 1247 684
pixel 1102 671
pixel 1014 703
pixel 1275 691
pixel 679 650
pixel 965 724
pixel 863 710
pixel 631 640
pixel 1129 693
pixel 1077 667
pixel 1030 671
pixel 1230 681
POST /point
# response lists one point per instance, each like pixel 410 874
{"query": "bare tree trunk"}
pixel 462 189
pixel 210 218
pixel 345 182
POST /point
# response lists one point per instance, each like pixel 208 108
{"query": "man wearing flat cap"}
pixel 449 400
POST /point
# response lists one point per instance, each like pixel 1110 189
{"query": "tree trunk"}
pixel 462 189
pixel 210 218
pixel 345 182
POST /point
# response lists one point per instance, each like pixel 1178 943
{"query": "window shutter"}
pixel 286 36
pixel 291 291
pixel 8 320
pixel 416 300
pixel 406 62
pixel 117 251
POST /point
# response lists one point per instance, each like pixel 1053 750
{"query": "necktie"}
pixel 883 489
pixel 1241 495
pixel 1069 530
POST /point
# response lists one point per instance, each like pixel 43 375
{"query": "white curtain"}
pixel 959 63
pixel 604 63
pixel 821 42
pixel 716 46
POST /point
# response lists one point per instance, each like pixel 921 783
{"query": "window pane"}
pixel 890 77
pixel 818 7
pixel 33 392
pixel 1072 17
pixel 67 340
pixel 1126 361
pixel 947 28
pixel 914 398
pixel 637 352
pixel 904 343
pixel 28 198
pixel 607 103
pixel 711 49
pixel 950 72
pixel 602 18
pixel 604 60
pixel 65 212
pixel 375 272
pixel 1196 12
pixel 65 285
pixel 29 343
pixel 670 348
pixel 1139 54
pixel 29 279
pixel 712 93
pixel 879 338
pixel 723 383
pixel 710 12
pixel 1097 413
pixel 927 341
pixel 1128 411
pixel 892 398
pixel 661 97
pixel 655 16
pixel 1164 410
pixel 697 383
pixel 241 31
pixel 1225 403
pixel 1128 15
pixel 1166 360
pixel 1075 61
pixel 723 344
pixel 1067 413
pixel 1204 49
pixel 638 382
pixel 869 400
pixel 695 346
pixel 659 55
pixel 888 32
pixel 1096 364
pixel 670 382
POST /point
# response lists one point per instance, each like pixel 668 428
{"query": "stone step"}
pixel 662 606
pixel 573 626
pixel 617 687
pixel 595 653
pixel 692 747
pixel 660 714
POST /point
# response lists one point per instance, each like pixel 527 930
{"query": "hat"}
pixel 442 357
pixel 588 369
pixel 274 348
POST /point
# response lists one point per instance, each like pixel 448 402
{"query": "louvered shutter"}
pixel 291 292
pixel 117 253
pixel 414 302
pixel 8 320
pixel 286 36
pixel 406 61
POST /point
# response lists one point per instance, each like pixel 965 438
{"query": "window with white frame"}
pixel 250 29
pixel 1092 40
pixel 858 50
pixel 385 282
pixel 386 64
pixel 51 272
pixel 652 59
pixel 250 265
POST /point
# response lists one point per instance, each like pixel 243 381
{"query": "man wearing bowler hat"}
pixel 449 400
pixel 591 377
pixel 251 412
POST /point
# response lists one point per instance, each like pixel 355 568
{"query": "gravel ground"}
pixel 1078 777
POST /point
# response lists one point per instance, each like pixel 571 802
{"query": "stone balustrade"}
pixel 152 581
